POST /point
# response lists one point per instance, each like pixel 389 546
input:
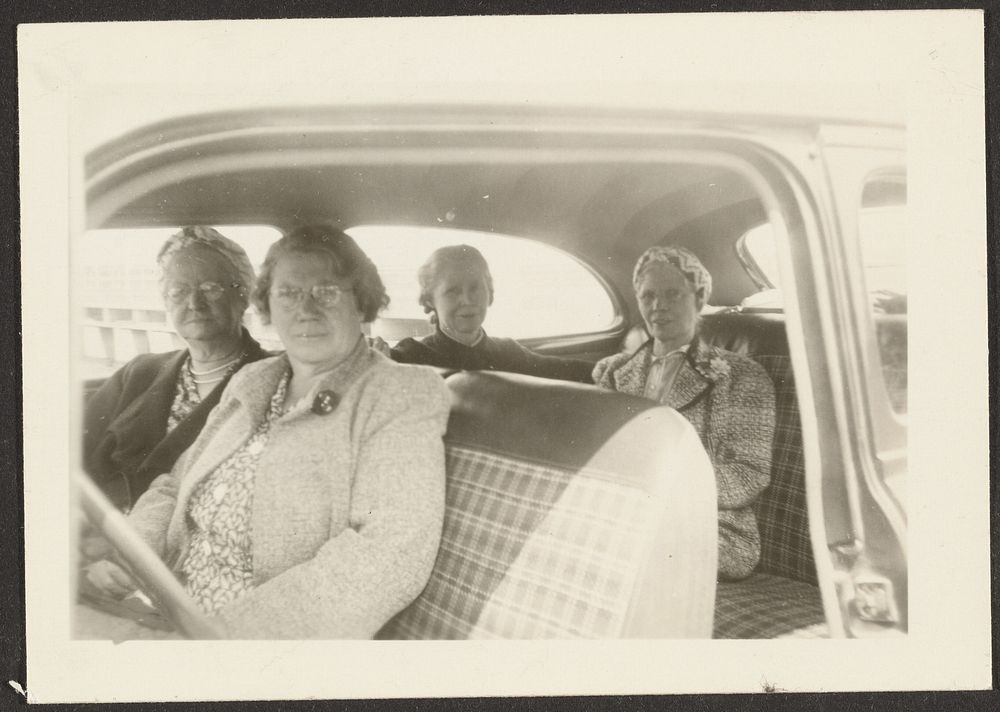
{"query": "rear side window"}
pixel 882 246
pixel 882 240
pixel 540 291
pixel 121 308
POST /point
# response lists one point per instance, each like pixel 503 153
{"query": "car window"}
pixel 882 233
pixel 540 291
pixel 123 313
pixel 760 256
pixel 882 239
pixel 882 245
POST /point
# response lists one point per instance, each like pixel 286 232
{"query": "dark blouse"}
pixel 126 441
pixel 490 354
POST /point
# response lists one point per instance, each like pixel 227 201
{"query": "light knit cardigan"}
pixel 347 508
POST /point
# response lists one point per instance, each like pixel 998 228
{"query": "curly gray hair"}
pixel 681 259
pixel 195 236
pixel 345 260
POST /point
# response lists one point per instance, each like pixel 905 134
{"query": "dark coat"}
pixel 490 354
pixel 125 440
pixel 729 399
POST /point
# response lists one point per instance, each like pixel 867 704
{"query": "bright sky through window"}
pixel 539 290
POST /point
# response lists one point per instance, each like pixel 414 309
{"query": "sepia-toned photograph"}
pixel 579 342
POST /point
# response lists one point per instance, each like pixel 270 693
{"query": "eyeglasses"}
pixel 325 295
pixel 211 291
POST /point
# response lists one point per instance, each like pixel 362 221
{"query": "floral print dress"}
pixel 186 396
pixel 218 568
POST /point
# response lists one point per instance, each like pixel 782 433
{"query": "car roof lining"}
pixel 603 213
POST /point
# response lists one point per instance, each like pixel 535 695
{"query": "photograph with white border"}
pixel 747 491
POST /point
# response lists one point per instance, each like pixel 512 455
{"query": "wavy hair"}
pixel 208 238
pixel 346 261
pixel 429 272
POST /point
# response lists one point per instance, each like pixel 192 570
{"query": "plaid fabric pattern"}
pixel 781 511
pixel 573 577
pixel 529 550
pixel 765 606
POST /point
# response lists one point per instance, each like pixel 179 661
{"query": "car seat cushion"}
pixel 782 514
pixel 765 606
pixel 530 550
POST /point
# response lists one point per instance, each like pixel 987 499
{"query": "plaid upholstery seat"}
pixel 782 597
pixel 512 522
pixel 765 606
pixel 558 526
pixel 782 515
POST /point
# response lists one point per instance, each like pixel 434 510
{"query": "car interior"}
pixel 601 193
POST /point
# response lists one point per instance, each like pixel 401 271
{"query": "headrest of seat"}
pixel 537 418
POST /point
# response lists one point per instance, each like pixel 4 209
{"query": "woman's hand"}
pixel 93 546
pixel 379 344
pixel 110 578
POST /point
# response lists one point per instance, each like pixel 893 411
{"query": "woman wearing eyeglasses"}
pixel 312 503
pixel 152 409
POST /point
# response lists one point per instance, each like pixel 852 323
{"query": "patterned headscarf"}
pixel 210 239
pixel 679 258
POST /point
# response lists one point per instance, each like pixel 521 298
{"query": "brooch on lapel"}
pixel 325 402
pixel 714 368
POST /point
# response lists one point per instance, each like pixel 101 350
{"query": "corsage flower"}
pixel 714 368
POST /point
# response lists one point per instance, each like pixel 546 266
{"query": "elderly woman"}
pixel 311 505
pixel 456 289
pixel 152 409
pixel 727 397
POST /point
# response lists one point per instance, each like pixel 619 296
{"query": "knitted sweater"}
pixel 348 504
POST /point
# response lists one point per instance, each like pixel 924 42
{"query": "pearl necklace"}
pixel 198 377
pixel 205 381
pixel 217 368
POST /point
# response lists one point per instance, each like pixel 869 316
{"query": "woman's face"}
pixel 191 278
pixel 668 304
pixel 312 333
pixel 460 299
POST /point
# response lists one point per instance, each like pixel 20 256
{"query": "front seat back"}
pixel 572 512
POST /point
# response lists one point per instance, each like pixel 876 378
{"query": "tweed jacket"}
pixel 490 354
pixel 125 440
pixel 347 507
pixel 730 401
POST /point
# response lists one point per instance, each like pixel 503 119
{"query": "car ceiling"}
pixel 605 212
